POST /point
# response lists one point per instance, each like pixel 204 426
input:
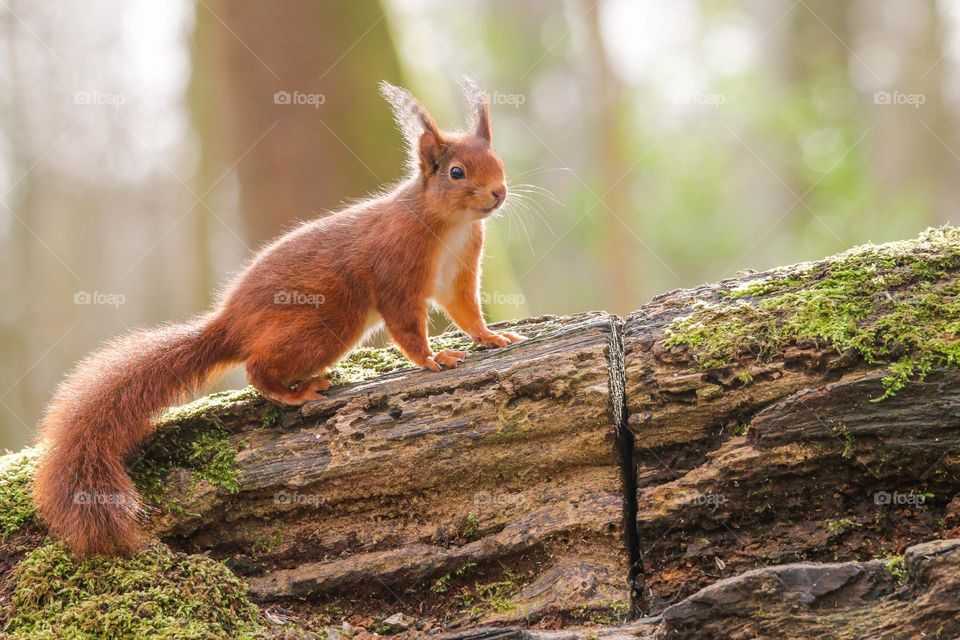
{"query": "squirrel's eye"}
pixel 457 173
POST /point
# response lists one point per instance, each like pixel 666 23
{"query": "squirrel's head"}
pixel 460 172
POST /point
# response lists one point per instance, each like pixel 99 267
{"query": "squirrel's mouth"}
pixel 486 211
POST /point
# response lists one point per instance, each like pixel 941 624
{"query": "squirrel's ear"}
pixel 429 150
pixel 479 104
pixel 421 135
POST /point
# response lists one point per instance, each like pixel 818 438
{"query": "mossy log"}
pixel 386 486
pixel 811 412
pixel 807 417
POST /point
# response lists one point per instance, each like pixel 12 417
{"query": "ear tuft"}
pixel 419 130
pixel 478 103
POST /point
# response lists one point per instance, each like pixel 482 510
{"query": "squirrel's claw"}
pixel 450 358
pixel 513 337
pixel 499 338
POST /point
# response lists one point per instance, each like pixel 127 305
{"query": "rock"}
pixel 396 623
pixel 801 601
pixel 584 582
pixel 846 600
pixel 717 609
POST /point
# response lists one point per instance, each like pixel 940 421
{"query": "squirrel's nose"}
pixel 498 193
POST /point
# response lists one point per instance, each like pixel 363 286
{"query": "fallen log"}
pixel 809 412
pixel 503 470
pixel 602 469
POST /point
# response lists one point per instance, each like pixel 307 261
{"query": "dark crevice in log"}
pixel 657 465
pixel 628 469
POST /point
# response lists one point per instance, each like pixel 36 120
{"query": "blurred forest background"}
pixel 147 147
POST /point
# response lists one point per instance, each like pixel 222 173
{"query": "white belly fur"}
pixel 450 261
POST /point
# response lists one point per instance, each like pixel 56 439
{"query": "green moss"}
pixel 453 341
pixel 895 305
pixel 840 526
pixel 268 543
pixel 494 596
pixel 272 415
pixel 470 527
pixel 364 363
pixel 16 473
pixel 192 437
pixel 615 613
pixel 442 584
pixel 216 403
pixel 154 595
pixel 897 566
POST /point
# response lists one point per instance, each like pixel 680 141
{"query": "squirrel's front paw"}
pixel 499 338
pixel 449 358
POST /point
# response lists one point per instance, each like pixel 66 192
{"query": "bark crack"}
pixel 624 442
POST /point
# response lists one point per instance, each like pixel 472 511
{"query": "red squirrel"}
pixel 300 305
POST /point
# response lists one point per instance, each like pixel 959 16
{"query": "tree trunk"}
pixel 299 96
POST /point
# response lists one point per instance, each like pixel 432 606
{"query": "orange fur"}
pixel 300 305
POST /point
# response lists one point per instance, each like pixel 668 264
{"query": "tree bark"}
pixel 779 458
pixel 386 486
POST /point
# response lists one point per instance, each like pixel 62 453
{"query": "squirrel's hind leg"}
pixel 289 357
pixel 290 378
pixel 265 380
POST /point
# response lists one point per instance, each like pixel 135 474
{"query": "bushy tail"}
pixel 101 413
